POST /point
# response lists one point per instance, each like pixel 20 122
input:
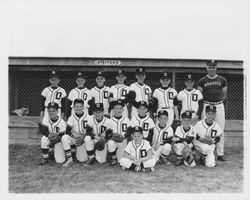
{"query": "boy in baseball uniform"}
pixel 138 154
pixel 162 138
pixel 121 126
pixel 183 141
pixel 208 134
pixel 79 92
pixel 165 98
pixel 55 94
pixel 98 128
pixel 144 121
pixel 191 99
pixel 53 128
pixel 119 92
pixel 100 93
pixel 73 140
pixel 139 91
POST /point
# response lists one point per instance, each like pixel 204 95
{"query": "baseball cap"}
pixel 212 63
pixel 100 73
pixel 137 129
pixel 53 105
pixel 98 107
pixel 80 75
pixel 53 74
pixel 162 112
pixel 140 71
pixel 186 114
pixel 210 108
pixel 142 103
pixel 189 77
pixel 165 75
pixel 118 102
pixel 78 101
pixel 120 73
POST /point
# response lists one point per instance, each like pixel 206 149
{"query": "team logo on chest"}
pixel 103 128
pixel 170 95
pixel 105 94
pixel 194 97
pixel 146 91
pixel 213 133
pixel 145 126
pixel 164 135
pixel 124 127
pixel 143 153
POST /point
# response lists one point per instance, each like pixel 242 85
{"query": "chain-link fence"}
pixel 25 87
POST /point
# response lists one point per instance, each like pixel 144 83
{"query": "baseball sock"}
pixel 91 154
pixel 73 151
pixel 113 154
pixel 68 153
pixel 132 167
pixel 45 153
pixel 163 155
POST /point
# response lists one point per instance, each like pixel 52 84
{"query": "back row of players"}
pixel 113 102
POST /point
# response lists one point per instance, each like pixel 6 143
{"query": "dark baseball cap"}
pixel 98 107
pixel 165 75
pixel 137 129
pixel 162 112
pixel 78 101
pixel 186 114
pixel 210 108
pixel 142 103
pixel 140 71
pixel 80 75
pixel 189 77
pixel 53 105
pixel 120 73
pixel 100 73
pixel 53 74
pixel 118 102
pixel 212 63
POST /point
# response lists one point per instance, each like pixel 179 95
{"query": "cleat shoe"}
pixel 90 161
pixel 166 161
pixel 123 168
pixel 202 160
pixel 138 169
pixel 68 162
pixel 113 162
pixel 178 162
pixel 152 169
pixel 44 161
pixel 221 158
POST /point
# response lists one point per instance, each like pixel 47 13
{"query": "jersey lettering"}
pixel 124 92
pixel 84 96
pixel 213 133
pixel 124 127
pixel 57 129
pixel 105 93
pixel 58 95
pixel 103 128
pixel 194 97
pixel 84 124
pixel 146 91
pixel 143 153
pixel 170 95
pixel 165 135
pixel 145 126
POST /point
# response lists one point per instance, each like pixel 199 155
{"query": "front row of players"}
pixel 137 144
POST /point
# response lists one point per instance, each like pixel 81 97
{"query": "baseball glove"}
pixel 79 140
pixel 100 144
pixel 117 137
pixel 188 154
pixel 175 124
pixel 206 140
pixel 53 139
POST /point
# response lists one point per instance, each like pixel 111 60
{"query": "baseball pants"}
pixel 163 149
pixel 178 147
pixel 112 146
pixel 125 162
pixel 220 119
pixel 58 149
pixel 81 153
pixel 208 151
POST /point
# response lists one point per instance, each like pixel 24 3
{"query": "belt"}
pixel 213 103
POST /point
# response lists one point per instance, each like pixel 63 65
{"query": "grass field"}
pixel 26 176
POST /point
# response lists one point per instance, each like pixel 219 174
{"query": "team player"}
pixel 208 134
pixel 191 99
pixel 79 92
pixel 98 127
pixel 54 125
pixel 183 140
pixel 55 94
pixel 120 125
pixel 73 140
pixel 165 98
pixel 100 93
pixel 162 138
pixel 138 154
pixel 139 91
pixel 214 90
pixel 120 92
pixel 144 121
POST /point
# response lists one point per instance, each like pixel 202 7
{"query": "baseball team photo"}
pixel 126 98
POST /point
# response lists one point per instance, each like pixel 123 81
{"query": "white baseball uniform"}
pixel 53 95
pixel 83 94
pixel 54 127
pixel 119 93
pixel 138 151
pixel 212 131
pixel 101 95
pixel 143 92
pixel 119 126
pixel 145 123
pixel 166 101
pixel 99 129
pixel 160 135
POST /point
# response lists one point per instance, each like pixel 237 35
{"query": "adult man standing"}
pixel 214 90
